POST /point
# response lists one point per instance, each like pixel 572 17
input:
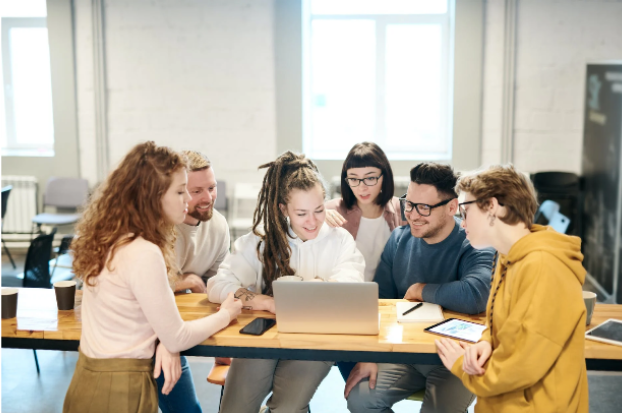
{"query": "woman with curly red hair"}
pixel 125 255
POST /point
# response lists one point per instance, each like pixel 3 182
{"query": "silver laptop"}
pixel 326 307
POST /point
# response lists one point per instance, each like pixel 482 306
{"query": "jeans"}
pixel 183 397
pixel 444 392
pixel 345 368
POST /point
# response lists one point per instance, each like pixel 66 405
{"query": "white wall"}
pixel 187 74
pixel 200 75
pixel 555 41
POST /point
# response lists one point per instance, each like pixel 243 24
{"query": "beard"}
pixel 431 231
pixel 202 216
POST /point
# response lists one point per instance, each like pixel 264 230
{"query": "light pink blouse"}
pixel 133 304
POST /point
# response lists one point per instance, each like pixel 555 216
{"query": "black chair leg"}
pixel 36 361
pixel 55 264
pixel 222 392
pixel 8 253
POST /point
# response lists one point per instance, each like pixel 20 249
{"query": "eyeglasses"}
pixel 463 212
pixel 369 181
pixel 424 210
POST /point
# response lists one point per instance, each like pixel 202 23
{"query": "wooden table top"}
pixel 38 318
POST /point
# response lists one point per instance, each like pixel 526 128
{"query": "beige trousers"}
pixel 292 382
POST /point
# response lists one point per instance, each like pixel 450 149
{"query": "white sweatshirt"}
pixel 332 256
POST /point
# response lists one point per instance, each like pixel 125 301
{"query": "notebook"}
pixel 428 312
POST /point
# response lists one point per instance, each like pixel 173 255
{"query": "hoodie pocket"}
pixel 517 401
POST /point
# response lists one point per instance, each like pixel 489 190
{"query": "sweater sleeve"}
pixel 468 294
pixel 241 269
pixel 533 336
pixel 384 271
pixel 350 264
pixel 147 278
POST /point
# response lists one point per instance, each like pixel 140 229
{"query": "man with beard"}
pixel 428 260
pixel 203 238
pixel 202 245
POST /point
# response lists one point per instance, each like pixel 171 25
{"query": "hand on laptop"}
pixel 358 373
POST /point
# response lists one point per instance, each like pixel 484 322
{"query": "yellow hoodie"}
pixel 537 362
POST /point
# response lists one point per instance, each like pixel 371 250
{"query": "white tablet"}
pixel 608 332
pixel 458 329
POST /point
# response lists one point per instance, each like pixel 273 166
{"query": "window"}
pixel 26 90
pixel 378 71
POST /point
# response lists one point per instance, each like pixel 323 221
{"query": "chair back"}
pixel 6 191
pixel 221 200
pixel 66 192
pixel 37 267
pixel 548 209
pixel 548 214
pixel 243 206
pixel 65 244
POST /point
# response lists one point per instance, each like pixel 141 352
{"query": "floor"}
pixel 24 391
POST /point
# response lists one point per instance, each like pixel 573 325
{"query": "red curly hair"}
pixel 126 206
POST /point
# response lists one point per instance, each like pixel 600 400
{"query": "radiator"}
pixel 22 204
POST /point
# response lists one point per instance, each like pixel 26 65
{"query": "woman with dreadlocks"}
pixel 531 356
pixel 288 238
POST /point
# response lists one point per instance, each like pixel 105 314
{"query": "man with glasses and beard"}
pixel 428 260
pixel 202 245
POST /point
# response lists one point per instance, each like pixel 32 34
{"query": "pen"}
pixel 412 308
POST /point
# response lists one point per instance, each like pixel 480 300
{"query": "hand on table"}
pixel 334 219
pixel 170 365
pixel 475 357
pixel 358 373
pixel 415 292
pixel 232 305
pixel 191 282
pixel 449 351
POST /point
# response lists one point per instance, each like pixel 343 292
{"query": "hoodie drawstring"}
pixel 502 272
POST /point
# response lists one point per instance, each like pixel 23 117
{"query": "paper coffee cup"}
pixel 9 302
pixel 289 278
pixel 590 301
pixel 65 294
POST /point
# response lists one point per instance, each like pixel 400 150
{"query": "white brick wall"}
pixel 200 74
pixel 555 41
pixel 188 74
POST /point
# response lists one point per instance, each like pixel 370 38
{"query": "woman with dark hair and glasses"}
pixel 530 358
pixel 367 208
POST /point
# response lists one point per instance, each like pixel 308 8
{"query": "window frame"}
pixel 447 23
pixel 13 147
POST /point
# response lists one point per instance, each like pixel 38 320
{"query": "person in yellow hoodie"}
pixel 531 356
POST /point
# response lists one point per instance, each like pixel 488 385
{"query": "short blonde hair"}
pixel 196 161
pixel 511 188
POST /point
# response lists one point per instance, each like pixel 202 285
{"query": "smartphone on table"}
pixel 258 326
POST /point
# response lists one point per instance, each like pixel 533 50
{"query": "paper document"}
pixel 428 312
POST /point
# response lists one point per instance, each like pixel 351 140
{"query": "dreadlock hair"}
pixel 289 171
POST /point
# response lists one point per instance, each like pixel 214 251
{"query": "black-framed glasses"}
pixel 424 210
pixel 463 212
pixel 369 181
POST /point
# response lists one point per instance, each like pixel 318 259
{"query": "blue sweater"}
pixel 457 276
